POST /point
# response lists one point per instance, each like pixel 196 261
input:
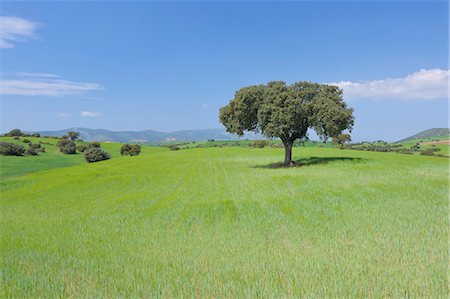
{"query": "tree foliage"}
pixel 277 109
pixel 73 135
pixel 66 146
pixel 340 139
pixel 130 150
pixel 94 144
pixel 95 154
pixel 13 133
pixel 11 149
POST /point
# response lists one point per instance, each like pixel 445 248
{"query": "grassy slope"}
pixel 217 222
pixel 52 158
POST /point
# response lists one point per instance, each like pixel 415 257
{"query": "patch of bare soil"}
pixel 436 142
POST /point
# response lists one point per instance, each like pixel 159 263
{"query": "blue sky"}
pixel 171 66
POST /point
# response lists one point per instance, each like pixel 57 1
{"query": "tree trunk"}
pixel 288 153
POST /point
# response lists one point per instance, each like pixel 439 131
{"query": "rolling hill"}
pixel 150 136
pixel 431 133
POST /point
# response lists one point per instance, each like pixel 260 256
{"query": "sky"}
pixel 171 65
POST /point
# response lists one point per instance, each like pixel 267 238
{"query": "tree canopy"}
pixel 73 135
pixel 277 109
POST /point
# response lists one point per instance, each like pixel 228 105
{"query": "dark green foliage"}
pixel 434 149
pixel 66 146
pixel 94 144
pixel 287 111
pixel 26 141
pixel 81 148
pixel 130 149
pixel 34 149
pixel 173 147
pixel 36 135
pixel 260 143
pixel 73 135
pixel 31 151
pixel 95 154
pixel 13 133
pixel 415 147
pixel 16 138
pixel 427 152
pixel 341 139
pixel 11 149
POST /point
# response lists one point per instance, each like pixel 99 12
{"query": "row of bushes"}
pixel 18 133
pixel 398 148
pixel 14 149
pixel 92 152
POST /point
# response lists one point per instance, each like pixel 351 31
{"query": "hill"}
pixel 431 133
pixel 150 136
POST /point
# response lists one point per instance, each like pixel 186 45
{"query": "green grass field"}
pixel 222 222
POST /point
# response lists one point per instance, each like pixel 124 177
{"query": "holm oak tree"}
pixel 279 110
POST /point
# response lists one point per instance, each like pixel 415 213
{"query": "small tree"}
pixel 66 146
pixel 14 132
pixel 81 148
pixel 341 139
pixel 36 135
pixel 260 143
pixel 287 111
pixel 415 147
pixel 73 135
pixel 94 144
pixel 130 149
pixel 125 149
pixel 11 149
pixel 95 154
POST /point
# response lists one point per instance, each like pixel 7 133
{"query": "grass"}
pixel 221 222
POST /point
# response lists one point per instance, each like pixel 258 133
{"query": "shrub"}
pixel 130 149
pixel 26 141
pixel 94 144
pixel 415 147
pixel 32 151
pixel 66 146
pixel 73 135
pixel 427 152
pixel 16 138
pixel 11 149
pixel 95 154
pixel 260 143
pixel 14 132
pixel 173 147
pixel 36 135
pixel 81 148
pixel 38 147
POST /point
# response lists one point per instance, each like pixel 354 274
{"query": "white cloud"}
pixel 36 84
pixel 14 29
pixel 422 85
pixel 64 114
pixel 37 75
pixel 91 114
pixel 205 106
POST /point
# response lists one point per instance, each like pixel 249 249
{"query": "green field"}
pixel 225 222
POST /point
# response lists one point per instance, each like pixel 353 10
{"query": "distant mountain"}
pixel 151 136
pixel 436 132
